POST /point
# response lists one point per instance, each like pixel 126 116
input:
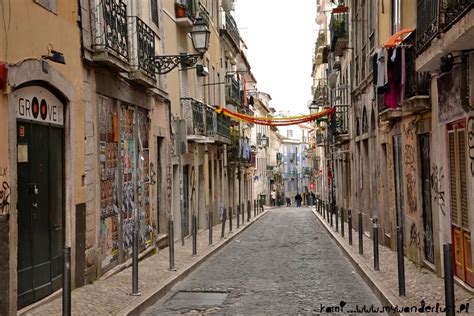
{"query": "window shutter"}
pixel 452 177
pixel 184 84
pixel 462 177
pixel 154 11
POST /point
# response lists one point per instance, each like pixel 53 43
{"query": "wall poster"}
pixel 108 159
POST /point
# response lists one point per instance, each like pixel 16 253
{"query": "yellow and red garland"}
pixel 275 121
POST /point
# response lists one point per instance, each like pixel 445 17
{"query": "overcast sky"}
pixel 280 37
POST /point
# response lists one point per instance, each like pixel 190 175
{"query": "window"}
pixel 289 133
pixel 154 11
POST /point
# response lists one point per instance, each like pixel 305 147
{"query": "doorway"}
pixel 428 241
pixel 185 214
pixel 40 210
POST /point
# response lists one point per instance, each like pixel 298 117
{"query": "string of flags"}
pixel 275 121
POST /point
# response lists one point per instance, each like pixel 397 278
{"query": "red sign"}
pixel 311 186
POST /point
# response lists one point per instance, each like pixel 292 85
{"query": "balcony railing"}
pixel 455 9
pixel 427 23
pixel 193 112
pixel 145 47
pixel 230 27
pixel 339 29
pixel 223 125
pixel 211 124
pixel 111 29
pixel 417 83
pixel 233 91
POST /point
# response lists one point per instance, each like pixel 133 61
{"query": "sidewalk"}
pixel 420 283
pixel 111 296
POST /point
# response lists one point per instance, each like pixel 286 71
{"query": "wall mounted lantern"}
pixel 200 37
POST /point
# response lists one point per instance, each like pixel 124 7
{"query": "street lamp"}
pixel 264 141
pixel 200 37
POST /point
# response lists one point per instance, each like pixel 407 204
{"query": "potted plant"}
pixel 180 9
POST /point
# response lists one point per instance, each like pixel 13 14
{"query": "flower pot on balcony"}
pixel 180 10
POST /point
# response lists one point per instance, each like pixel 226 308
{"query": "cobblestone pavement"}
pixel 284 264
pixel 110 296
pixel 420 283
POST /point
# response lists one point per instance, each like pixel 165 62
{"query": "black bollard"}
pixel 448 279
pixel 328 212
pixel 375 233
pixel 261 205
pixel 230 219
pixel 401 263
pixel 337 219
pixel 343 217
pixel 361 234
pixel 224 215
pixel 171 244
pixel 323 212
pixel 254 208
pixel 249 212
pixel 331 212
pixel 194 229
pixel 67 281
pixel 135 263
pixel 238 216
pixel 242 208
pixel 349 225
pixel 211 225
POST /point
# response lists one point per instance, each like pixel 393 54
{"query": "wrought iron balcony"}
pixel 455 9
pixel 211 121
pixel 339 29
pixel 193 112
pixel 232 92
pixel 417 83
pixel 230 29
pixel 427 23
pixel 223 126
pixel 145 42
pixel 110 31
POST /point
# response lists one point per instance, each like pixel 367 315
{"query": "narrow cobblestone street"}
pixel 285 263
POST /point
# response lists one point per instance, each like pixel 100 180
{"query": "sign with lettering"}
pixel 38 104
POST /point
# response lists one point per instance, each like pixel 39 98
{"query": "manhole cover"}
pixel 197 298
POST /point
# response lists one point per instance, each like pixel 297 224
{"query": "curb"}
pixel 153 296
pixel 370 278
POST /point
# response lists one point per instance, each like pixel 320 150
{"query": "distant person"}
pixel 313 196
pixel 288 201
pixel 274 196
pixel 298 199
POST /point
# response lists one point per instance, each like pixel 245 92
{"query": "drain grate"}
pixel 197 298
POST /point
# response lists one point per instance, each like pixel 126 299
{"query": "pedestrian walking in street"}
pixel 288 201
pixel 274 196
pixel 298 199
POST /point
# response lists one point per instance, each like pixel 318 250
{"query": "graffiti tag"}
pixel 470 135
pixel 414 236
pixel 5 198
pixel 437 178
pixel 410 177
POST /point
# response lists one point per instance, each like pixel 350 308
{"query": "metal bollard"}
pixel 248 210
pixel 194 228
pixel 224 215
pixel 349 225
pixel 361 234
pixel 67 281
pixel 238 216
pixel 135 263
pixel 230 219
pixel 242 208
pixel 331 212
pixel 328 212
pixel 401 262
pixel 375 233
pixel 171 244
pixel 211 225
pixel 342 222
pixel 322 209
pixel 448 279
pixel 337 219
pixel 254 208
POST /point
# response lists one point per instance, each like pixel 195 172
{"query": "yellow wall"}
pixel 32 28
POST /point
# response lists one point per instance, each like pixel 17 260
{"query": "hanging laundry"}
pixel 381 73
